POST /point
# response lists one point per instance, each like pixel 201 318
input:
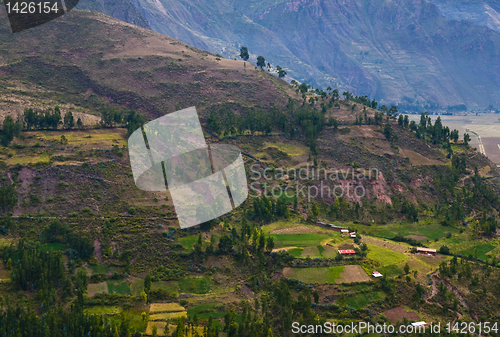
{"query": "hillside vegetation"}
pixel 89 253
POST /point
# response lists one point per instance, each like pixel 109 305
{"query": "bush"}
pixel 444 250
pixel 131 210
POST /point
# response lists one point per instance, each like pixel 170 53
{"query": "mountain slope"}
pixel 124 10
pixel 394 51
pixel 90 60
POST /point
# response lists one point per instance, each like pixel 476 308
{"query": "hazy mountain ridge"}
pixel 125 10
pixel 394 51
pixel 482 12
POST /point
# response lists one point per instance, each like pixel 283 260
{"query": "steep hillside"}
pixel 120 264
pixel 394 51
pixel 85 61
pixel 124 10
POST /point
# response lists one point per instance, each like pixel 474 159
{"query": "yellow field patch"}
pixel 24 160
pixel 167 315
pixel 289 149
pixel 395 246
pixel 165 307
pixel 97 138
pixel 160 328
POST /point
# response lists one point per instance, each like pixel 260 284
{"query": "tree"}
pixel 444 250
pixel 388 131
pixel 393 112
pixel 261 62
pixel 407 269
pixel 79 123
pixel 155 331
pixel 244 53
pixel 315 210
pixel 270 243
pixel 316 296
pixel 342 300
pixel 466 139
pixel 69 120
pixel 144 297
pixel 8 197
pixel 147 283
pixel 10 129
pixel 281 72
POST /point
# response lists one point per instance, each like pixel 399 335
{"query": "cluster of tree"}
pixel 59 322
pixel 80 247
pixel 33 268
pixel 49 119
pixel 437 132
pixel 364 100
pixel 225 122
pixel 269 208
pixel 475 196
pixel 261 62
pixel 8 197
pixel 456 108
pixel 10 129
pixel 52 119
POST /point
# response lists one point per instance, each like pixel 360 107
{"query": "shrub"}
pixel 131 210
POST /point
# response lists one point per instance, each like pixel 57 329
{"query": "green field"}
pixel 103 310
pixel 54 247
pixel 384 256
pixel 188 241
pixel 316 275
pixel 390 271
pixel 195 285
pixel 296 252
pixel 170 287
pixel 206 310
pixel 103 269
pixel 298 240
pixel 430 231
pixel 137 286
pixel 481 251
pixel 117 287
pixel 362 300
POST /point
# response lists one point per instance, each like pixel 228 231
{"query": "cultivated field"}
pixel 165 307
pixel 337 274
pixel 396 315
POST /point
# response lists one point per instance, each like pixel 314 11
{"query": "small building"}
pixel 336 228
pixel 353 234
pixel 426 251
pixel 320 223
pixel 344 231
pixel 376 274
pixel 347 252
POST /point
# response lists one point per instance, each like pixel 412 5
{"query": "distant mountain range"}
pixel 412 52
pixel 482 12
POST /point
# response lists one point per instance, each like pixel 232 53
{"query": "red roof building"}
pixel 347 252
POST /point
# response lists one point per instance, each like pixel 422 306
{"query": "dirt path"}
pixel 435 277
pixel 434 288
pixel 282 249
pixel 97 248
